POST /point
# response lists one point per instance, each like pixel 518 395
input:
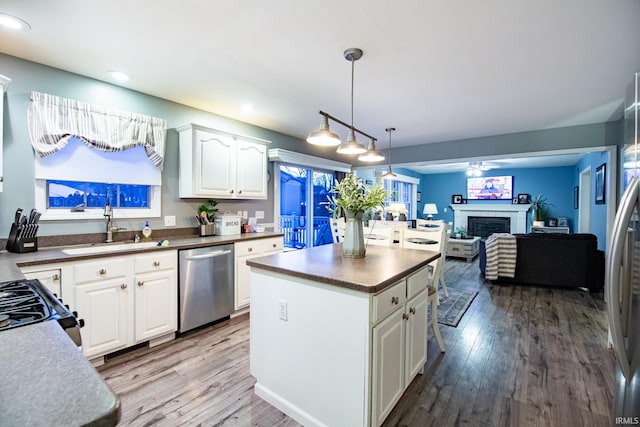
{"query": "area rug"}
pixel 451 309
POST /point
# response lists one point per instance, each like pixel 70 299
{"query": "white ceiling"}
pixel 435 70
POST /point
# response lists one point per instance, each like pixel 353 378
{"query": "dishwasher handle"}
pixel 207 255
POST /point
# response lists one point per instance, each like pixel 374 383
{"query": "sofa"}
pixel 555 259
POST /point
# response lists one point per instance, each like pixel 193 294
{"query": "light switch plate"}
pixel 283 309
pixel 170 221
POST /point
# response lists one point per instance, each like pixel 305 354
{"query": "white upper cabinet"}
pixel 4 82
pixel 218 164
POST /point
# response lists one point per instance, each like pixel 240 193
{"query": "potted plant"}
pixel 540 206
pixel 353 197
pixel 207 215
pixel 461 232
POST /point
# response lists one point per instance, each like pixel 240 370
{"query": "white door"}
pixel 215 165
pixel 155 305
pixel 388 365
pixel 105 308
pixel 416 336
pixel 584 201
pixel 251 170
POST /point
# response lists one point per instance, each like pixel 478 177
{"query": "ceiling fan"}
pixel 476 168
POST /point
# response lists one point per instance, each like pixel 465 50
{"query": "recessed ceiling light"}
pixel 13 23
pixel 119 75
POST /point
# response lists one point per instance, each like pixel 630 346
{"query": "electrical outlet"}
pixel 170 221
pixel 259 214
pixel 283 310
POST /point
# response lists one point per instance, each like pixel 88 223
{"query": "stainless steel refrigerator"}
pixel 623 276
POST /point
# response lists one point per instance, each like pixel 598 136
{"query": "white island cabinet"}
pixel 335 341
pixel 221 165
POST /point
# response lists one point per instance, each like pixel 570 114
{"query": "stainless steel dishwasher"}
pixel 206 286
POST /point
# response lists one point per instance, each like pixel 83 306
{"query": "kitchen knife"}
pixel 36 218
pixel 16 219
pixel 32 215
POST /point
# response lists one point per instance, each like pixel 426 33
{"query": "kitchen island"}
pixel 336 341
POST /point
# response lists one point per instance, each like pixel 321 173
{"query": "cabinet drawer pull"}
pixel 156 263
pixel 405 316
pixel 412 310
pixel 103 271
pixel 275 245
pixel 123 286
pixel 239 191
pixel 230 191
pixel 56 277
pixel 140 283
pixel 249 249
pixel 395 300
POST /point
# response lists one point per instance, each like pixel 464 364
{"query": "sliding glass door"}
pixel 304 217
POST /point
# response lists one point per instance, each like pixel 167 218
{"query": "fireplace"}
pixel 484 226
pixel 517 214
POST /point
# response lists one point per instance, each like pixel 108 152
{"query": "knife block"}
pixel 18 244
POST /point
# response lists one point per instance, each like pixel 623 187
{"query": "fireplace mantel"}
pixel 516 213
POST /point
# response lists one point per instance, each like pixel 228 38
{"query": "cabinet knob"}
pixel 123 286
pixel 239 191
pixel 395 300
pixel 230 191
pixel 103 271
pixel 250 249
pixel 412 310
pixel 405 316
pixel 274 245
pixel 140 283
pixel 56 277
pixel 156 263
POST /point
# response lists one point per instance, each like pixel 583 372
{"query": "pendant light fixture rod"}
pixel 329 116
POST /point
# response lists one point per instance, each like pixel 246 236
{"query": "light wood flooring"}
pixel 520 356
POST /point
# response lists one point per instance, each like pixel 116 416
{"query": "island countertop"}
pixel 380 268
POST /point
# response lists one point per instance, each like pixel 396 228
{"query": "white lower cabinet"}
pixel 245 251
pixel 49 277
pixel 106 308
pixel 123 300
pixel 399 343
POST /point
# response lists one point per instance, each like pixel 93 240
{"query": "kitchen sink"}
pixel 86 250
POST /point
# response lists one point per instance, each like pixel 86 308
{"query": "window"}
pixel 88 195
pixel 86 153
pixel 73 183
pixel 403 190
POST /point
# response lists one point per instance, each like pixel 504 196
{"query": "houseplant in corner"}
pixel 540 207
pixel 354 197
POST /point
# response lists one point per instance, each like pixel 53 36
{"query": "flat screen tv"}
pixel 490 188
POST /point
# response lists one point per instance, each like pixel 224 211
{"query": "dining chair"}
pixel 378 236
pixel 428 241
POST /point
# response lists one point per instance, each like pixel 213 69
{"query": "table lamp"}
pixel 429 210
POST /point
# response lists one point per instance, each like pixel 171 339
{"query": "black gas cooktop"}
pixel 22 304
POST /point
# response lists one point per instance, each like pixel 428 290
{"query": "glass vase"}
pixel 353 243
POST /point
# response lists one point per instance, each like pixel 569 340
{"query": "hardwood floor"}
pixel 520 356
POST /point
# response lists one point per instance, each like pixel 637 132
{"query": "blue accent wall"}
pixel 555 183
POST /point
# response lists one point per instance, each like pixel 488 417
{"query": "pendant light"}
pixel 371 155
pixel 352 146
pixel 323 136
pixel 389 173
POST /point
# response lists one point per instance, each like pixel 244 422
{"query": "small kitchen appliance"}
pixel 25 302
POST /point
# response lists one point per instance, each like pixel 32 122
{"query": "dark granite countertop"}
pixel 380 268
pixel 47 381
pixel 10 263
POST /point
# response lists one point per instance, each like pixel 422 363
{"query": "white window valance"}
pixel 54 120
